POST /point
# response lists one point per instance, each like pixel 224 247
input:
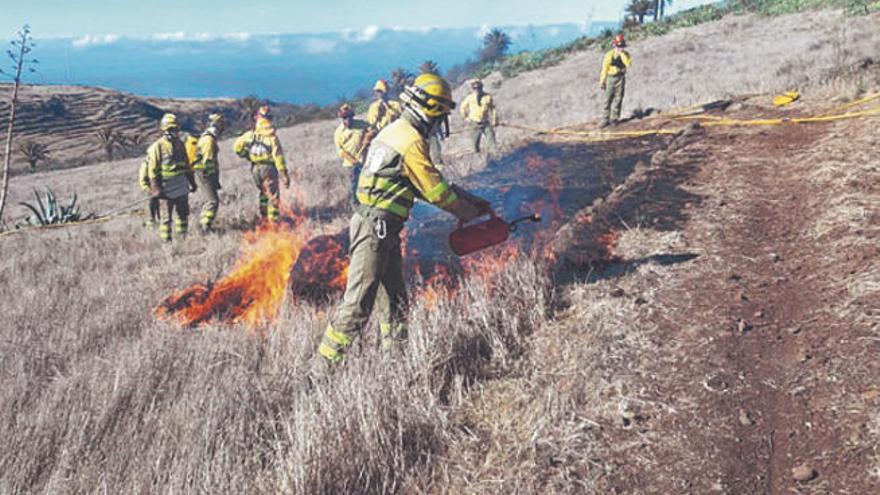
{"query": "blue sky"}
pixel 106 20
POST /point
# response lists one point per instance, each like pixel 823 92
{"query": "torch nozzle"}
pixel 530 218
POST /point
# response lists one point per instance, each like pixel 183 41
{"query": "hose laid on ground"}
pixel 115 212
pixel 706 121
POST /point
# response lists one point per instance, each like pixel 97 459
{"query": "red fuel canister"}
pixel 466 240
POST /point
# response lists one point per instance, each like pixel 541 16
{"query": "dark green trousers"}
pixel 615 87
pixel 478 131
pixel 209 185
pixel 375 275
pixel 266 179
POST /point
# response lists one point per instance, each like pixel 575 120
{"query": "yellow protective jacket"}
pixel 207 150
pixel 166 158
pixel 479 111
pixel 398 169
pixel 261 146
pixel 143 177
pixel 383 112
pixel 351 142
pixel 613 64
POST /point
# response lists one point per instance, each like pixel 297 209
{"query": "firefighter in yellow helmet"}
pixel 207 170
pixel 352 139
pixel 478 109
pixel 170 178
pixel 383 110
pixel 262 148
pixel 396 172
pixel 612 80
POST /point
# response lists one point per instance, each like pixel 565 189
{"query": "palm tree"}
pixel 33 152
pixel 660 8
pixel 109 140
pixel 400 77
pixel 429 67
pixel 495 45
pixel 640 8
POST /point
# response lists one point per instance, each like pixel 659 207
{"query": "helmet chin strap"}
pixel 422 122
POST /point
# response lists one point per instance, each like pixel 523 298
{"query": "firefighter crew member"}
pixel 352 139
pixel 262 148
pixel 153 202
pixel 207 170
pixel 396 172
pixel 612 80
pixel 478 109
pixel 170 178
pixel 382 111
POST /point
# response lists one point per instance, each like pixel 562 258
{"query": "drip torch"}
pixel 468 239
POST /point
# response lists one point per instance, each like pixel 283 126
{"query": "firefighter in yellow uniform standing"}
pixel 396 172
pixel 612 80
pixel 170 178
pixel 382 111
pixel 352 139
pixel 478 109
pixel 262 148
pixel 207 171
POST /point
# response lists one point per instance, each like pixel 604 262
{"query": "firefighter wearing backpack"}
pixel 262 148
pixel 612 80
pixel 207 170
pixel 170 178
pixel 352 139
pixel 397 170
pixel 382 111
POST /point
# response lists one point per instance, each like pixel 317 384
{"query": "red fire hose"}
pixel 466 240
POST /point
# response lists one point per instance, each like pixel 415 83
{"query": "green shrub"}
pixel 47 211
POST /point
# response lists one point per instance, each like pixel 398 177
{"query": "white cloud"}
pixel 89 40
pixel 273 46
pixel 201 37
pixel 318 46
pixel 364 35
pixel 422 29
pixel 176 36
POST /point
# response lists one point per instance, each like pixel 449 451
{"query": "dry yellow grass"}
pixel 516 384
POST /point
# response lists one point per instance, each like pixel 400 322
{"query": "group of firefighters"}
pixel 394 159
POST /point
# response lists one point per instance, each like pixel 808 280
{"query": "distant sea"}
pixel 295 68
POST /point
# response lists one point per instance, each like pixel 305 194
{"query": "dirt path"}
pixel 762 303
pixel 763 355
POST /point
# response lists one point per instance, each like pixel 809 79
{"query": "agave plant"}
pixel 47 211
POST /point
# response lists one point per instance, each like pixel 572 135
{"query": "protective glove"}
pixel 469 206
pixel 192 183
pixel 156 190
pixel 285 179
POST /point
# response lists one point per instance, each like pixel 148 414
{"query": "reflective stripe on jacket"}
pixel 206 153
pixel 261 149
pixel 398 169
pixel 166 158
pixel 614 64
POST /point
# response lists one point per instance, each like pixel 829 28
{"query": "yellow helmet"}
pixel 430 94
pixel 168 122
pixel 381 85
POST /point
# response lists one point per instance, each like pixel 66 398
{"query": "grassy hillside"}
pixel 728 338
pixel 67 119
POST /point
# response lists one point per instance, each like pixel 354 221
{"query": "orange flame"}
pixel 252 292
